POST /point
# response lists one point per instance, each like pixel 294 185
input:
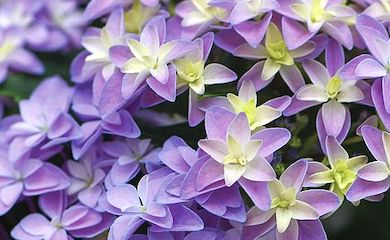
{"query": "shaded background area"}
pixel 367 221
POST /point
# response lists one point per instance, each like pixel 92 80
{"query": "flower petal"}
pixel 317 72
pixel 322 201
pixel 215 73
pixel 217 149
pixel 233 172
pixel 270 69
pixel 335 151
pixel 370 68
pixel 312 93
pixel 259 170
pixel 374 171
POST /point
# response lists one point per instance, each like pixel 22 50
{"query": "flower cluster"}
pixel 89 157
pixel 40 26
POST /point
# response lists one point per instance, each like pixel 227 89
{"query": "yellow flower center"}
pixel 285 200
pixel 276 46
pixel 136 17
pixel 317 11
pixel 342 175
pixel 150 62
pixel 209 11
pixel 189 71
pixel 234 159
pixel 6 49
pixel 142 209
pixel 333 87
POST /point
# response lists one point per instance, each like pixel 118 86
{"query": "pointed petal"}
pixel 293 77
pixel 294 175
pixel 334 115
pixel 335 151
pixel 317 72
pixel 215 73
pixel 303 211
pixel 374 171
pixel 322 201
pixel 352 94
pixel 217 149
pixel 259 170
pixel 233 172
pixel 312 93
pixel 370 68
pixel 270 69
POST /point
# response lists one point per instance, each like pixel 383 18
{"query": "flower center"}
pixel 56 223
pixel 232 159
pixel 333 87
pixel 189 71
pixel 89 181
pixel 317 11
pixel 342 175
pixel 286 199
pixel 137 16
pixel 142 208
pixel 209 11
pixel 277 50
pixel 6 49
pixel 254 5
pixel 150 62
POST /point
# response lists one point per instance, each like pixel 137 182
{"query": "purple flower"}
pixel 293 212
pixel 237 155
pixel 64 24
pixel 86 179
pixel 342 171
pixel 184 161
pixel 332 17
pixel 193 74
pixel 65 221
pixel 140 55
pixel 119 123
pixel 377 40
pixel 331 86
pixel 98 42
pixel 13 56
pixel 278 58
pixel 150 59
pixel 135 206
pixel 373 178
pixel 246 102
pixel 128 155
pixel 45 119
pixel 28 177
